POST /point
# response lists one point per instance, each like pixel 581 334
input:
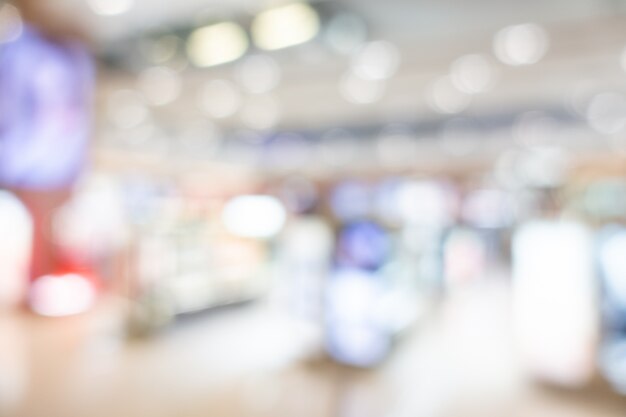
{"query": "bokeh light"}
pixel 524 44
pixel 254 216
pixel 376 60
pixel 62 295
pixel 217 44
pixel 111 7
pixel 606 112
pixel 473 74
pixel 445 98
pixel 285 26
pixel 255 194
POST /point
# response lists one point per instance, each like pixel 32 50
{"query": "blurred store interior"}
pixel 334 208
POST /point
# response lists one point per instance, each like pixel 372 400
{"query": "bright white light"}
pixel 361 91
pixel 258 74
pixel 11 26
pixel 254 216
pixel 606 112
pixel 220 99
pixel 217 44
pixel 160 85
pixel 472 74
pixel 524 44
pixel 446 98
pixel 553 295
pixel 110 7
pixel 64 295
pixel 377 60
pixel 285 26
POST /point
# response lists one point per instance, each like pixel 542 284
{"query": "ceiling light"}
pixel 217 44
pixel 521 44
pixel 472 74
pixel 285 26
pixel 110 7
pixel 377 60
pixel 446 98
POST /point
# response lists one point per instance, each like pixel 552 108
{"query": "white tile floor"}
pixel 248 363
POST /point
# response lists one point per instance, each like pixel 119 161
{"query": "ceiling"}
pixel 587 38
pixel 395 19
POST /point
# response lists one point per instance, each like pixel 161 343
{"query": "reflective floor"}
pixel 251 361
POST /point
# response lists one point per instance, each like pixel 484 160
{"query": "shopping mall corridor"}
pixel 251 362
